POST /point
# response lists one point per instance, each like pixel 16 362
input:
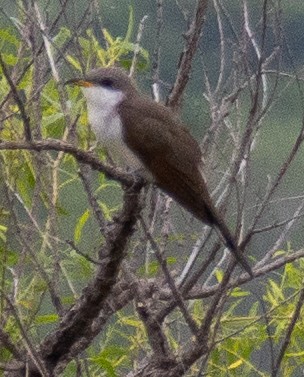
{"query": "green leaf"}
pixel 10 257
pixel 235 365
pixel 80 224
pixel 171 260
pixel 295 354
pixel 130 24
pixel 8 35
pixel 254 310
pixel 10 59
pixel 219 275
pixel 3 228
pixel 74 62
pixel 85 43
pixel 276 289
pixel 112 352
pixel 237 292
pixel 100 52
pixel 108 37
pixel 62 36
pixel 25 183
pixel 131 322
pixel 46 319
pixel 107 212
pixel 105 364
pixel 50 119
pixel 150 269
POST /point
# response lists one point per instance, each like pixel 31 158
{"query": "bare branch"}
pixel 23 113
pixel 176 294
pixel 85 157
pixel 289 331
pixel 192 37
pixel 156 52
pixel 74 326
pixel 9 345
pixel 137 45
pixel 27 342
pixel 85 177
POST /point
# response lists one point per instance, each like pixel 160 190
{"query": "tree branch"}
pixel 192 38
pixel 24 116
pixel 76 323
pixel 80 155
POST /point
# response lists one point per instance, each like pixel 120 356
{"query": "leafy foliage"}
pixel 50 239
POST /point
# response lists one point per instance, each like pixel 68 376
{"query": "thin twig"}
pixel 86 256
pixel 156 52
pixel 177 295
pixel 289 332
pixel 192 37
pixel 137 45
pixel 35 357
pixel 84 175
pixel 17 98
pixel 80 155
pixel 7 342
pixel 47 44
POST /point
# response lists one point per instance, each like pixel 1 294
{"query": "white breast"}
pixel 106 124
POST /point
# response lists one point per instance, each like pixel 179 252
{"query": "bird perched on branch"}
pixel 148 138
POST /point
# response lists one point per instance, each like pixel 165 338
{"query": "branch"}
pixel 97 212
pixel 7 342
pixel 156 52
pixel 75 325
pixel 175 291
pixel 80 155
pixel 289 331
pixel 35 360
pixel 137 45
pixel 192 38
pixel 145 300
pixel 24 116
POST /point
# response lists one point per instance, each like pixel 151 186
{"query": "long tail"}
pixel 232 246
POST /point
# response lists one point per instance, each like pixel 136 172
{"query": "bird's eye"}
pixel 107 83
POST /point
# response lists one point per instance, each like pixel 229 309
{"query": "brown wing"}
pixel 170 153
pixel 173 157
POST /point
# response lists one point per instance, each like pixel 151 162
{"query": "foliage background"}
pixel 44 203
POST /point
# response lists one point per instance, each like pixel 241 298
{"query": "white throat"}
pixel 102 106
pixel 102 111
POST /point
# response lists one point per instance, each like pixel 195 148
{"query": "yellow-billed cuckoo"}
pixel 148 138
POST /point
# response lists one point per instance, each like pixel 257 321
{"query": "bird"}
pixel 148 138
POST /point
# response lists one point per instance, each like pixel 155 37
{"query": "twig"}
pixel 156 52
pixel 223 286
pixel 287 338
pixel 192 37
pixel 177 295
pixel 35 357
pixel 26 245
pixel 267 228
pixel 47 44
pixel 244 278
pixel 222 46
pixel 85 157
pixel 146 310
pixel 199 245
pixel 6 341
pixel 137 45
pixel 256 46
pixel 24 116
pixel 86 256
pixel 56 349
pixel 83 173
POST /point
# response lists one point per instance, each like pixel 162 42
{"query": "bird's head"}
pixel 105 85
